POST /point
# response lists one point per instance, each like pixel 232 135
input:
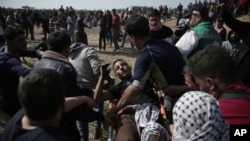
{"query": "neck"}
pixel 27 123
pixel 142 42
pixel 219 89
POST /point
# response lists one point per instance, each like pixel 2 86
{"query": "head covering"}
pixel 144 114
pixel 153 128
pixel 198 9
pixel 197 116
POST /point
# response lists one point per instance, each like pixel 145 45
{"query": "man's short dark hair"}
pixel 154 13
pixel 41 94
pixel 10 33
pixel 214 62
pixel 58 41
pixel 138 26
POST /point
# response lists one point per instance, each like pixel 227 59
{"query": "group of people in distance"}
pixel 208 84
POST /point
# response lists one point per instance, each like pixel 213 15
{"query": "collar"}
pixel 56 56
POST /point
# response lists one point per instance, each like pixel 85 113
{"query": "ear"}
pixel 199 18
pixel 132 38
pixel 210 83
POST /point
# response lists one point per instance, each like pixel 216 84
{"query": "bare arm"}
pixel 130 93
pixel 73 102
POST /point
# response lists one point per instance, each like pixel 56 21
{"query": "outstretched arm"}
pixel 130 93
pixel 73 102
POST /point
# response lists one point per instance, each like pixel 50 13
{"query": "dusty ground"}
pixel 127 53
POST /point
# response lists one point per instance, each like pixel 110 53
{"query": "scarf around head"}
pixel 197 116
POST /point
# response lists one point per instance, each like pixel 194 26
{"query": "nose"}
pixel 121 67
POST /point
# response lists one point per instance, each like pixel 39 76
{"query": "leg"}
pixel 83 130
pixel 100 40
pixel 115 36
pixel 126 128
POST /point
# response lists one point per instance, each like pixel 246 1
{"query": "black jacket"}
pixel 58 62
pixel 11 69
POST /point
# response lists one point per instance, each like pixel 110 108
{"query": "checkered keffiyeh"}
pixel 197 117
pixel 153 128
pixel 144 114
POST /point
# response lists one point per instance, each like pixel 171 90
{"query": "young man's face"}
pixel 18 44
pixel 153 21
pixel 122 70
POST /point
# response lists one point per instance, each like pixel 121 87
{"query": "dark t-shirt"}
pixel 161 62
pixel 118 89
pixel 163 33
pixel 14 132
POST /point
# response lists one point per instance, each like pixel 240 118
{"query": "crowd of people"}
pixel 188 84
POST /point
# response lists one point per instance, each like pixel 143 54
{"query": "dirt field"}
pixel 127 53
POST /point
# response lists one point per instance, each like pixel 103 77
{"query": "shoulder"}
pixel 8 58
pixel 50 133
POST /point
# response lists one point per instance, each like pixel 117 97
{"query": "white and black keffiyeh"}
pixel 153 128
pixel 144 114
pixel 197 117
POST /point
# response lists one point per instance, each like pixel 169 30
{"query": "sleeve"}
pixel 94 60
pixel 187 42
pixel 168 32
pixel 17 68
pixel 86 114
pixel 142 70
pixel 30 53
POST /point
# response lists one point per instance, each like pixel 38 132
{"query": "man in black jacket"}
pixel 11 68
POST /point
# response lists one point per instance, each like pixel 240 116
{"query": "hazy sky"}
pixel 91 4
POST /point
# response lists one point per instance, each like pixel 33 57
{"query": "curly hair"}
pixel 213 62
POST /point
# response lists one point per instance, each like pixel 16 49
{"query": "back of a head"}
pixel 138 26
pixel 213 62
pixel 10 33
pixel 58 41
pixel 41 94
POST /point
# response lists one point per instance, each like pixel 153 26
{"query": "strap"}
pixel 235 94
